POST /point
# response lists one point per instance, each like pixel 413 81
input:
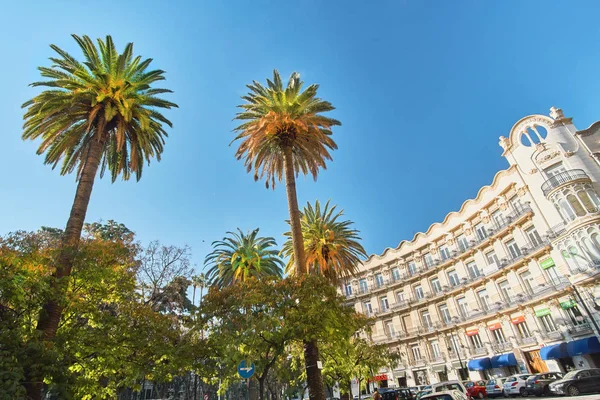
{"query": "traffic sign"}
pixel 205 397
pixel 245 371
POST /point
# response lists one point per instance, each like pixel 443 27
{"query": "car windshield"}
pixel 469 384
pixel 448 386
pixel 571 375
pixel 511 379
pixel 491 382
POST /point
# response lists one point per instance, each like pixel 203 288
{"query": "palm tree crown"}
pixel 239 257
pixel 107 98
pixel 278 118
pixel 332 247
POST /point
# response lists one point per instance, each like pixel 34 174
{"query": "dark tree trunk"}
pixel 261 388
pixel 316 390
pixel 296 228
pixel 51 312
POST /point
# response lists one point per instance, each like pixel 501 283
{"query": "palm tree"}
pixel 332 247
pixel 100 113
pixel 283 134
pixel 198 281
pixel 239 257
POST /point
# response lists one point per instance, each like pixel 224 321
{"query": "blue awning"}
pixel 583 346
pixel 554 351
pixel 504 360
pixel 479 364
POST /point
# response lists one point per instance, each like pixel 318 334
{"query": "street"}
pixel 586 397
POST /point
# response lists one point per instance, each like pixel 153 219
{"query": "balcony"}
pixel 439 358
pixel 582 328
pixel 527 341
pixel 478 351
pixel 417 362
pixel 563 178
pixel 551 335
pixel 501 347
pixel 462 354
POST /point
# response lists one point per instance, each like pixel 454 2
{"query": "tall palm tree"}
pixel 283 134
pixel 198 281
pixel 100 113
pixel 332 246
pixel 239 257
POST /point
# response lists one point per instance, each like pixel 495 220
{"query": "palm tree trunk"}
pixel 290 188
pixel 316 390
pixel 51 312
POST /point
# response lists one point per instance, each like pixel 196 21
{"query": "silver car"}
pixel 495 387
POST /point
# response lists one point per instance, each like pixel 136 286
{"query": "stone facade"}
pixel 481 293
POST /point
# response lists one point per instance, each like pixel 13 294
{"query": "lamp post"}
pixel 457 344
pixel 587 310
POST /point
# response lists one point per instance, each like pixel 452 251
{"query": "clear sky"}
pixel 423 89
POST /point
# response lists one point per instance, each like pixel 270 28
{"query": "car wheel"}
pixel 523 392
pixel 546 391
pixel 573 391
pixel 480 395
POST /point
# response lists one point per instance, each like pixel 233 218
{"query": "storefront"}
pixel 481 365
pixel 585 352
pixel 506 362
pixel 401 378
pixel 440 372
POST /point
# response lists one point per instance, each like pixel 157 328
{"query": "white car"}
pixel 446 395
pixel 450 386
pixel 516 385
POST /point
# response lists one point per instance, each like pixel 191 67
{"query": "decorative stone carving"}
pixel 504 142
pixel 522 191
pixel 569 154
pixel 533 171
pixel 556 113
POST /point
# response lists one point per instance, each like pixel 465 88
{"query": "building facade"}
pixel 507 284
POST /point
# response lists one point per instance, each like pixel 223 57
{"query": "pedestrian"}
pixel 376 395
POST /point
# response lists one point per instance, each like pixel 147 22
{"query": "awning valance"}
pixel 554 351
pixel 479 364
pixel 588 345
pixel 504 360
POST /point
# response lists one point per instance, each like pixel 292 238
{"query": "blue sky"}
pixel 423 88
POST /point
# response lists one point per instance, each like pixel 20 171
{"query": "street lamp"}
pixel 454 342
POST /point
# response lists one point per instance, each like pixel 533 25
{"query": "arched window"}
pixel 586 201
pixel 570 261
pixel 591 250
pixel 576 205
pixel 577 257
pixel 594 196
pixel 596 241
pixel 566 209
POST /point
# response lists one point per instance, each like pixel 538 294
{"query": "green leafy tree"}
pixel 239 257
pixel 284 133
pixel 100 113
pixel 331 245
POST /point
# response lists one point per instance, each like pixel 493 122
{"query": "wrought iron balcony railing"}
pixel 562 178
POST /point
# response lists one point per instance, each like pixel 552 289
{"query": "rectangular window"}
pixel 513 249
pixel 505 291
pixel 416 352
pixel 428 260
pixel 384 303
pixel 436 285
pixel 515 203
pixel 553 275
pixel 419 292
pixel 463 244
pixel 379 279
pixel 575 315
pixel 406 323
pixel 454 344
pixel 463 307
pixel 492 258
pixel 481 231
pixel 349 289
pixel 484 299
pixel 499 336
pixel 412 268
pixel 476 341
pixel 523 329
pixel 498 218
pixel 453 278
pixel 555 170
pixel 534 236
pixel 548 323
pixel 445 314
pixel 400 296
pixel 473 270
pixel 426 319
pixel 395 274
pixel 389 328
pixel 444 252
pixel 364 288
pixel 528 281
pixel 434 345
pixel 367 309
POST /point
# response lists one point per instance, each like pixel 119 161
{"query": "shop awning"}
pixel 504 360
pixel 583 346
pixel 479 364
pixel 554 351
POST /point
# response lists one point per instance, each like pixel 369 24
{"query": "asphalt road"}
pixel 586 397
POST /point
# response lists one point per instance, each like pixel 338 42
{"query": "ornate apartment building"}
pixel 507 284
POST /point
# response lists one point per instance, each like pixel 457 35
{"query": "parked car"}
pixel 388 394
pixel 449 386
pixel 424 390
pixel 516 385
pixel 495 387
pixel 576 382
pixel 405 394
pixel 475 389
pixel 538 384
pixel 446 395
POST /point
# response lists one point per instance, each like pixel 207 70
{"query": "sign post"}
pixel 245 371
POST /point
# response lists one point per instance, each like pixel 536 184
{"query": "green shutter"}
pixel 542 312
pixel 568 304
pixel 547 263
